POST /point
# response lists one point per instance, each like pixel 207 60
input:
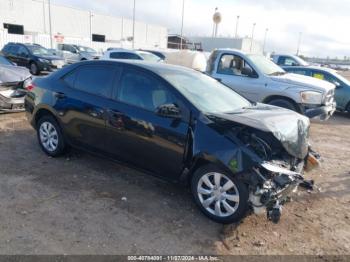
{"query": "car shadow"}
pixel 97 196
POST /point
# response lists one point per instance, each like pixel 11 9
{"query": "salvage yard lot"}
pixel 82 204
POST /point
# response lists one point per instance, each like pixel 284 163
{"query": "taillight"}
pixel 28 85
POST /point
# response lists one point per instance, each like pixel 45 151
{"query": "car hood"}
pixel 304 81
pixel 288 127
pixel 10 74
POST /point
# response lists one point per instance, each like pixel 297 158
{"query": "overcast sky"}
pixel 323 23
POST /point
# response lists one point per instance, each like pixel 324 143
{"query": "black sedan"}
pixel 177 124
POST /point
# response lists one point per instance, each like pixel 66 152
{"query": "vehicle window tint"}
pixel 232 65
pixel 140 89
pixel 22 51
pixel 70 78
pixel 6 49
pixel 96 79
pixel 14 49
pixel 115 55
pixel 332 79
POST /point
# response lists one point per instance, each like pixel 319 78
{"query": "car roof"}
pixel 152 66
pixel 319 68
pixel 232 50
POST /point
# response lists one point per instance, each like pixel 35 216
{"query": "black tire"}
pixel 240 208
pixel 61 145
pixel 284 103
pixel 34 69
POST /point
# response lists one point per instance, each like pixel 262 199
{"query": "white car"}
pixel 260 80
pixel 130 55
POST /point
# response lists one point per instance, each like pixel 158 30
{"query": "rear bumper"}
pixel 322 112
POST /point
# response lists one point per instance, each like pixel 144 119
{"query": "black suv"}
pixel 33 56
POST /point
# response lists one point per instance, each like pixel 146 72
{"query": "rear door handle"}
pixel 60 95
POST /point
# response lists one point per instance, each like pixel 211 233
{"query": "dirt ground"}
pixel 82 204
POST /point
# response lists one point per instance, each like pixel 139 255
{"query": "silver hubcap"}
pixel 48 136
pixel 218 194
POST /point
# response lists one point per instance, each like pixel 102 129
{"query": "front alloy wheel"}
pixel 220 196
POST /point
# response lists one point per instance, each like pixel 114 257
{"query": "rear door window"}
pixel 94 79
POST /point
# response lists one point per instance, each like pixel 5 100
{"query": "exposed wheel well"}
pixel 267 100
pixel 347 108
pixel 43 112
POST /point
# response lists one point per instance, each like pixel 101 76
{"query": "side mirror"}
pixel 169 111
pixel 246 71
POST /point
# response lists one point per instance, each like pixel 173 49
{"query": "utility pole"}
pixel 182 23
pixel 299 43
pixel 44 16
pixel 90 25
pixel 50 25
pixel 266 31
pixel 237 23
pixel 133 25
pixel 251 42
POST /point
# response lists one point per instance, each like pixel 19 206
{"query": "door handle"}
pixel 60 95
pixel 97 113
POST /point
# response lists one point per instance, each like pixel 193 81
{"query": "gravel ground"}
pixel 82 204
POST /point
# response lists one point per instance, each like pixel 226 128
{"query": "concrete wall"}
pixel 74 25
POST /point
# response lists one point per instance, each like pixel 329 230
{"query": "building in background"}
pixel 28 21
pixel 245 44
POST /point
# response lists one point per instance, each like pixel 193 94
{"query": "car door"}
pixel 229 72
pixel 70 53
pixel 81 103
pixel 22 56
pixel 136 134
pixel 12 53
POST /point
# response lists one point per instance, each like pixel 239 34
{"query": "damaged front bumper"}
pixel 276 185
pixel 12 100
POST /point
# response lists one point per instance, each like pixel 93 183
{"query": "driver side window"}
pixel 232 65
pixel 142 90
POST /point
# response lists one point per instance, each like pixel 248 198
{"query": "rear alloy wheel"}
pixel 50 136
pixel 34 70
pixel 220 196
pixel 284 104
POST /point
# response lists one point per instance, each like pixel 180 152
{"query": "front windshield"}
pixel 4 61
pixel 342 79
pixel 86 49
pixel 265 65
pixel 39 50
pixel 149 57
pixel 207 94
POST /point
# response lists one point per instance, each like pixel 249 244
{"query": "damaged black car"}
pixel 13 80
pixel 180 125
